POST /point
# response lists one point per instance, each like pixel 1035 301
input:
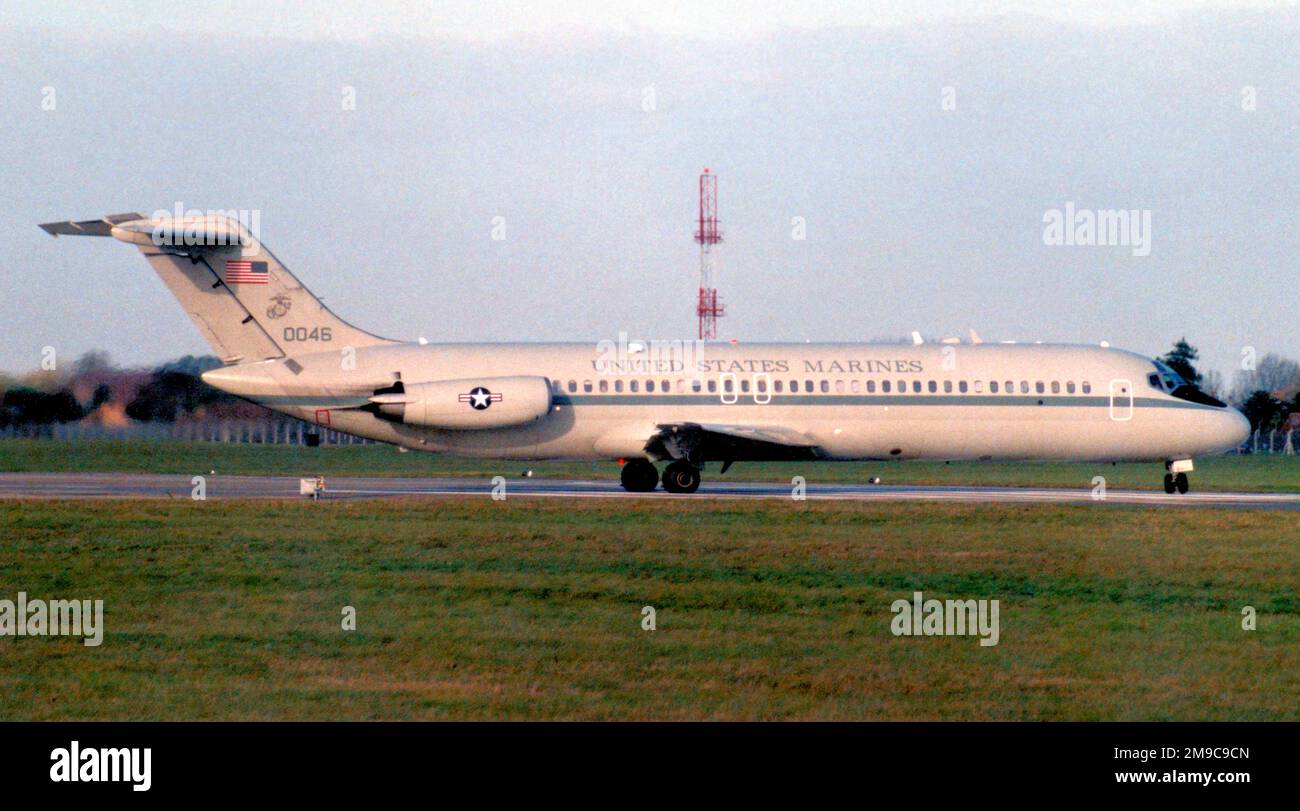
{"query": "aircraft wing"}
pixel 701 442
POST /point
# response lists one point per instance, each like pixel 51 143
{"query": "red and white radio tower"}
pixel 708 235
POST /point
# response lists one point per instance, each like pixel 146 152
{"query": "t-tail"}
pixel 246 304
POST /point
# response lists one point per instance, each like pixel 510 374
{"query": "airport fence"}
pixel 257 432
pixel 293 432
pixel 1271 442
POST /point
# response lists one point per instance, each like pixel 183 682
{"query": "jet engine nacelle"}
pixel 483 402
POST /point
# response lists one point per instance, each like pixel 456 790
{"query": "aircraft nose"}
pixel 1236 428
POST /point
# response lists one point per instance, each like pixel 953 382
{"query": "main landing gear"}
pixel 681 477
pixel 1176 478
pixel 639 476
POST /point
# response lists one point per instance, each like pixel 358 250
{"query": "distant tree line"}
pixel 163 394
pixel 1267 394
pixel 23 405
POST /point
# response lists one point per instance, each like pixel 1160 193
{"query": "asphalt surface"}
pixel 122 485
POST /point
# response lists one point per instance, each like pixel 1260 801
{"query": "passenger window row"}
pixel 632 386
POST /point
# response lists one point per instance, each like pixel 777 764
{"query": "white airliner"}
pixel 713 403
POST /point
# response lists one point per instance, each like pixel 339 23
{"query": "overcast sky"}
pixel 921 145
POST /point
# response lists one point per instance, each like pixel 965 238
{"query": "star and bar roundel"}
pixel 480 398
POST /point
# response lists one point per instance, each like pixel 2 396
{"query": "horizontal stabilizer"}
pixel 89 228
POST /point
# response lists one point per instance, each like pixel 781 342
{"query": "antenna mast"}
pixel 707 235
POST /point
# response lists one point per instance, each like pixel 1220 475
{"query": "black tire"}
pixel 681 477
pixel 1181 483
pixel 1169 483
pixel 639 476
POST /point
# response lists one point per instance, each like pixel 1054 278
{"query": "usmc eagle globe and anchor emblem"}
pixel 480 398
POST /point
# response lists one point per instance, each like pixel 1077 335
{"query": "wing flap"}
pixel 701 442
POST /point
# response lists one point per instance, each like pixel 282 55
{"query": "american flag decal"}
pixel 245 271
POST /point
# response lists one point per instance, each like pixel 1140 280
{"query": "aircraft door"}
pixel 1121 400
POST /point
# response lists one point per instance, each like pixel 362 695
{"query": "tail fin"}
pixel 246 304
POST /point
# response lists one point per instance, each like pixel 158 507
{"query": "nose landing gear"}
pixel 1176 478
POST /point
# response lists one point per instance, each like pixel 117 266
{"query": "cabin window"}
pixel 1069 387
pixel 728 385
pixel 871 386
pixel 557 386
pixel 633 385
pixel 947 387
pixel 1087 387
pixel 586 386
pixel 839 386
pixel 979 386
pixel 1011 387
pixel 1024 387
pixel 933 386
pixel 777 385
pixel 695 385
pixel 855 386
pixel 573 386
pixel 916 386
pixel 649 385
pixel 744 386
pixel 604 386
pixel 1056 387
pixel 761 384
pixel 668 386
pixel 1039 387
pixel 713 386
pixel 808 386
pixel 884 386
pixel 993 387
pixel 794 386
pixel 618 386
pixel 961 386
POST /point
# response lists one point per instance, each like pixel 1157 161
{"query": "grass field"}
pixel 529 609
pixel 1234 473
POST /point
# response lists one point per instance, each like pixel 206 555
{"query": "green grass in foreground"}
pixel 1244 473
pixel 527 609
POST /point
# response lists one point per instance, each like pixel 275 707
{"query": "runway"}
pixel 123 485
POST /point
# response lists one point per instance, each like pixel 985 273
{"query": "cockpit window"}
pixel 1177 387
pixel 1154 380
pixel 1170 377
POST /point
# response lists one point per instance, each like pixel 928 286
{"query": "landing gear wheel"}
pixel 681 477
pixel 1169 483
pixel 1181 483
pixel 639 476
